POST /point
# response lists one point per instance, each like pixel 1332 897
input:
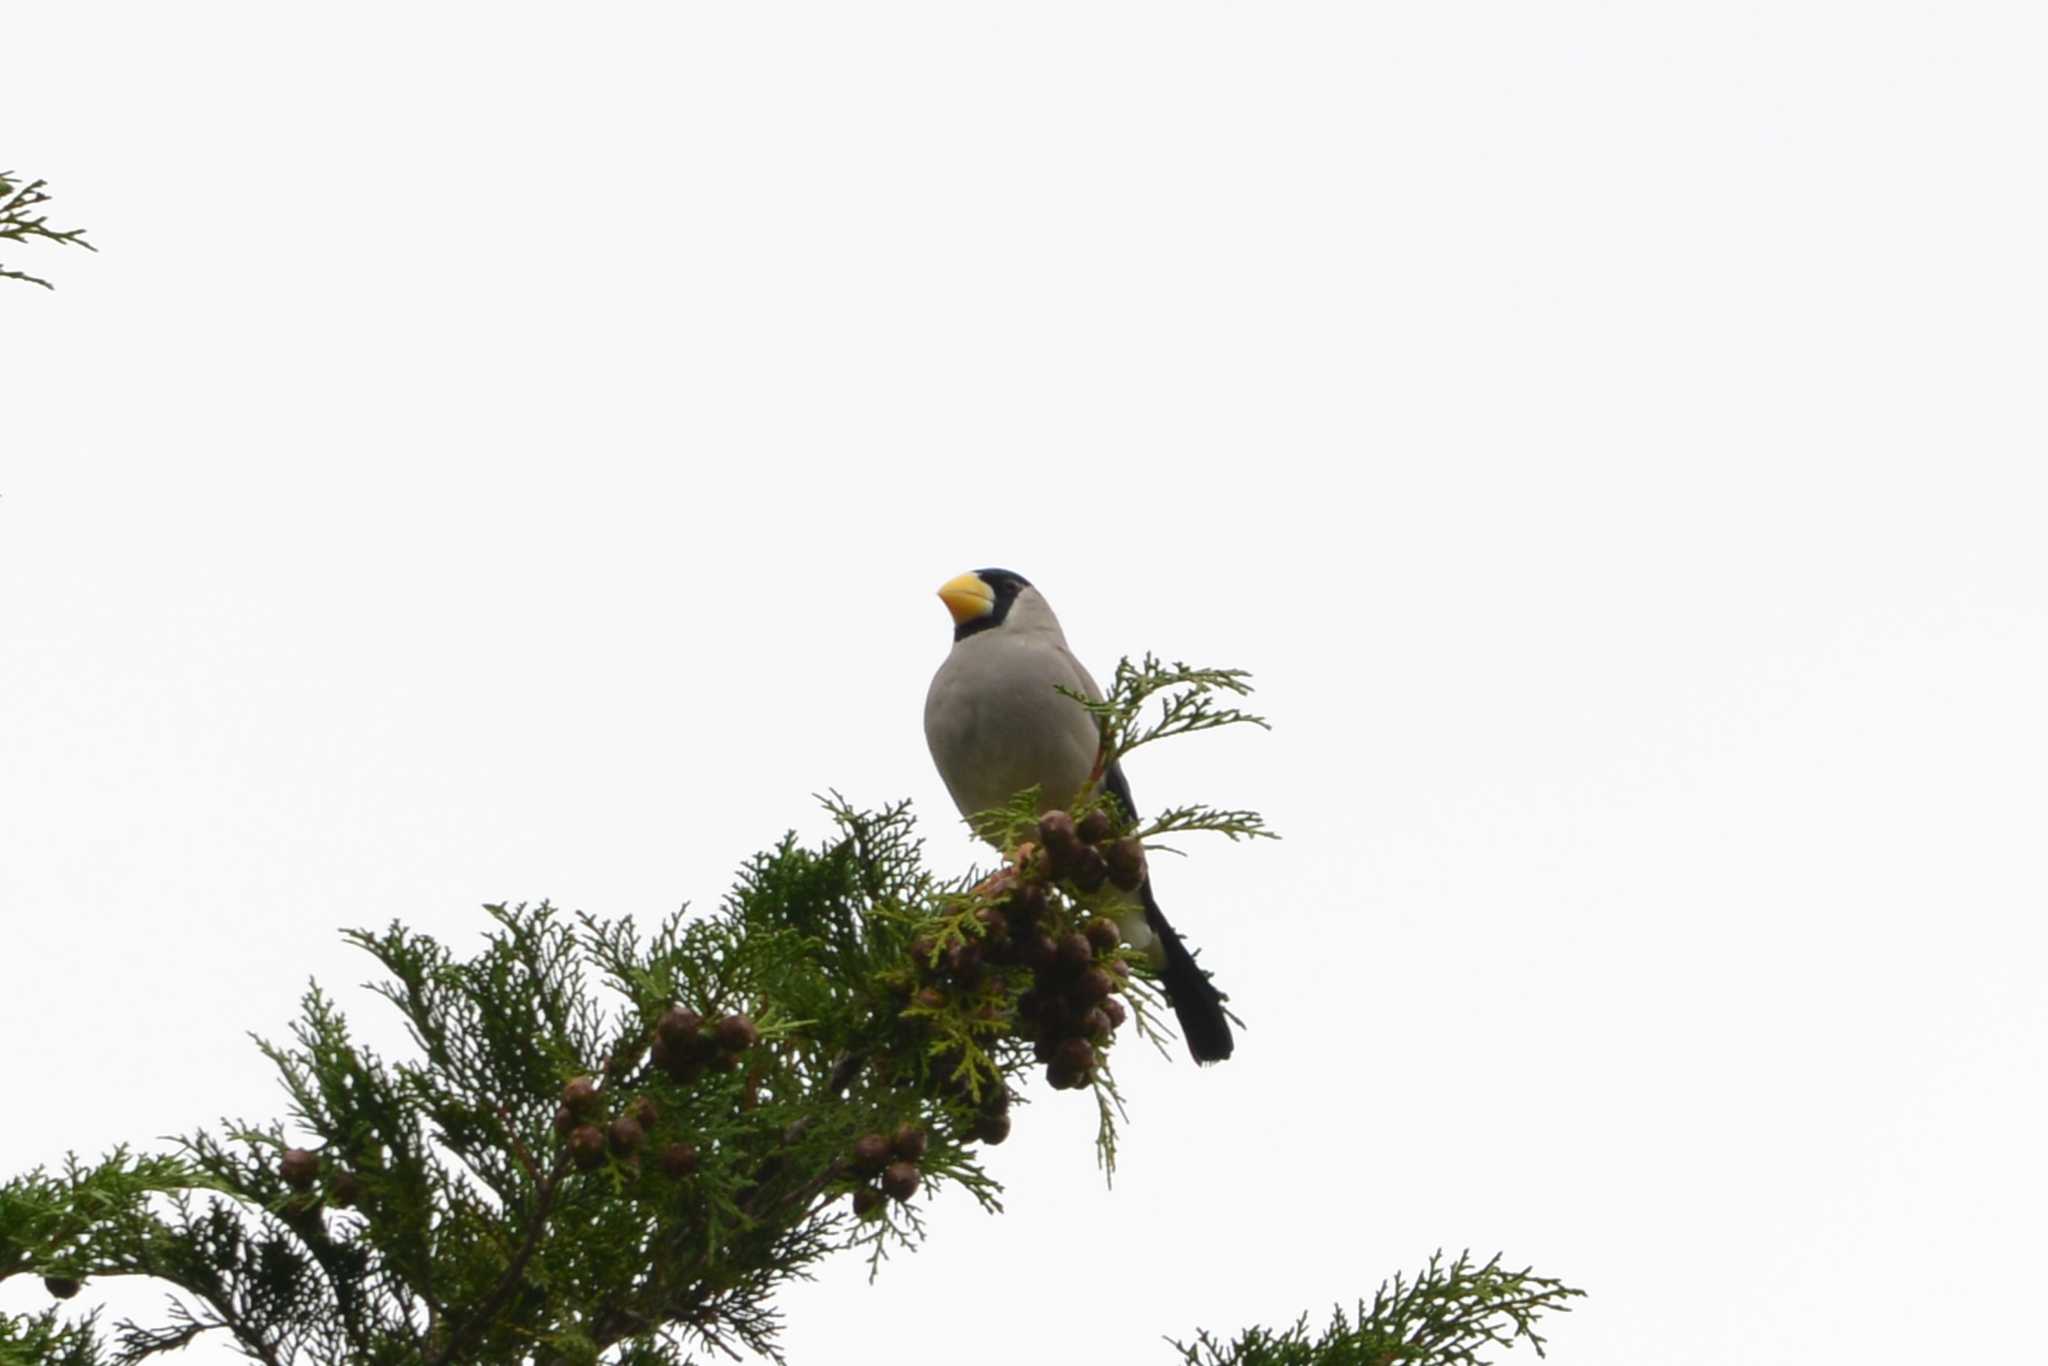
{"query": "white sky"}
pixel 499 455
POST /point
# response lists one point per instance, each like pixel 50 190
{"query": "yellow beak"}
pixel 967 597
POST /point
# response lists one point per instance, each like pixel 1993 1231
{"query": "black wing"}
pixel 1120 788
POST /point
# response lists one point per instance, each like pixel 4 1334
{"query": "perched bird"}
pixel 998 724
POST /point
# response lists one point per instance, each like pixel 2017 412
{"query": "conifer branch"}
pixel 1446 1315
pixel 1188 697
pixel 19 223
pixel 459 1339
pixel 1189 700
pixel 613 1145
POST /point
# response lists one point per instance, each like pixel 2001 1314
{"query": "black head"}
pixel 981 600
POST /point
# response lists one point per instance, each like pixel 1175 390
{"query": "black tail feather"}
pixel 1196 1002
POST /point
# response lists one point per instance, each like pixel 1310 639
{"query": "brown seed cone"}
pixel 931 998
pixel 1075 1055
pixel 678 1160
pixel 1064 1078
pixel 1037 950
pixel 1090 869
pixel 870 1153
pixel 1095 1025
pixel 586 1146
pixel 1026 906
pixel 644 1111
pixel 867 1202
pixel 565 1120
pixel 1096 826
pixel 901 1180
pixel 909 1142
pixel 61 1287
pixel 679 1029
pixel 1062 855
pixel 1104 934
pixel 963 961
pixel 299 1168
pixel 1055 1021
pixel 625 1135
pixel 1043 1047
pixel 1075 952
pixel 1126 860
pixel 345 1189
pixel 992 1129
pixel 1091 986
pixel 1114 1008
pixel 1056 832
pixel 580 1095
pixel 737 1033
pixel 995 1100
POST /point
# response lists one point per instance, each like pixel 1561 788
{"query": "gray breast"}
pixel 997 724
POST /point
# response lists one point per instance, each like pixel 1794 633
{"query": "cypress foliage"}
pixel 613 1145
pixel 1446 1315
pixel 20 222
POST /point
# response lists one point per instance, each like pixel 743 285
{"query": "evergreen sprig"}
pixel 1189 700
pixel 19 223
pixel 1445 1316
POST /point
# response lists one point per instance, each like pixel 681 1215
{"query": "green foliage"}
pixel 610 1144
pixel 64 1227
pixel 1189 700
pixel 1445 1316
pixel 46 1340
pixel 468 1232
pixel 51 1223
pixel 19 222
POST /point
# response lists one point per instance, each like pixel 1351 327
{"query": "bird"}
pixel 997 724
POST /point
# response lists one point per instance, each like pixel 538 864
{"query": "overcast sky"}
pixel 497 456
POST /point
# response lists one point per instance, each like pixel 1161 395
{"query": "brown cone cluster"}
pixel 1071 1013
pixel 686 1045
pixel 1070 1010
pixel 894 1159
pixel 1087 854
